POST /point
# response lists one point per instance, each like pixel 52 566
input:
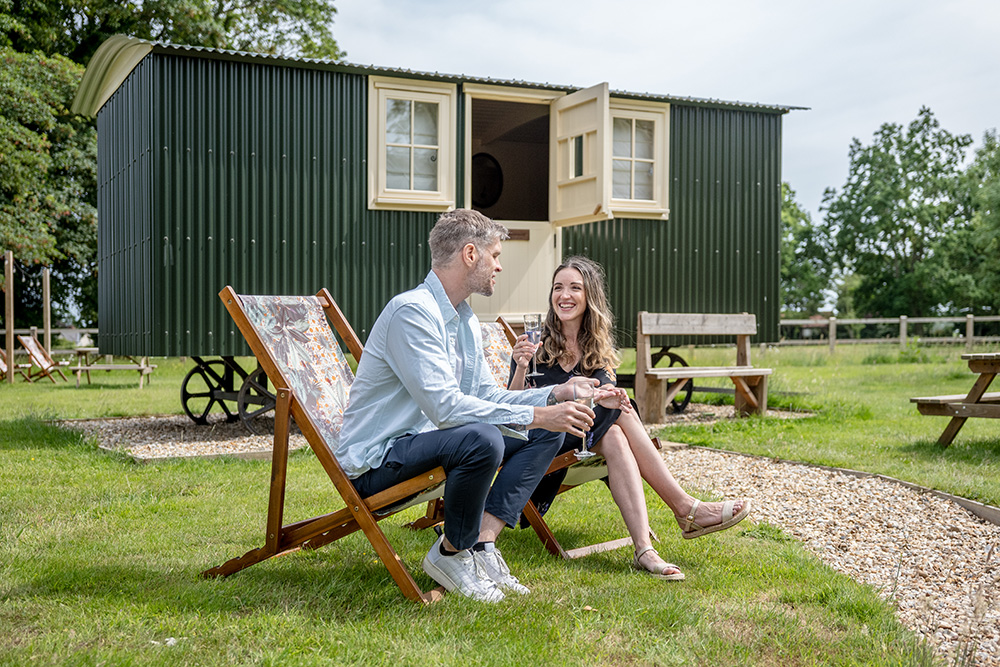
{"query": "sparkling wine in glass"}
pixel 584 395
pixel 533 329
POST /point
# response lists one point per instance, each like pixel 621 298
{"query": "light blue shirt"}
pixel 406 381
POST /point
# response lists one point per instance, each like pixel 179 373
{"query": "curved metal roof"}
pixel 118 56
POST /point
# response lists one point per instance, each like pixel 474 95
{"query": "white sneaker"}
pixel 497 570
pixel 461 573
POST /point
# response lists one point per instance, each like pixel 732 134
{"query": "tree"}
pixel 899 204
pixel 75 28
pixel 48 180
pixel 805 273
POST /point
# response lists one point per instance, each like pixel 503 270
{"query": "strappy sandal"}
pixel 677 576
pixel 690 529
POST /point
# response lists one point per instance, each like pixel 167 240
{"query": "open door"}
pixel 579 147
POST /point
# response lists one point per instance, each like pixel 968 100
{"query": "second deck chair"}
pixel 498 342
pixel 293 342
pixel 40 358
pixel 12 368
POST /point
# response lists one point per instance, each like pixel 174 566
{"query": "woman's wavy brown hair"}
pixel 596 338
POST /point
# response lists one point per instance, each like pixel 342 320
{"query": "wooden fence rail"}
pixel 903 322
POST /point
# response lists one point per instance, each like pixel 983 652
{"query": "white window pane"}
pixel 397 168
pixel 425 168
pixel 425 123
pixel 644 139
pixel 621 187
pixel 622 137
pixel 397 121
pixel 643 180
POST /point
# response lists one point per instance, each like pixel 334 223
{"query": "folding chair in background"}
pixel 293 342
pixel 12 368
pixel 498 343
pixel 40 358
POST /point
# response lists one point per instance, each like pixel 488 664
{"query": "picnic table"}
pixel 977 403
pixel 87 358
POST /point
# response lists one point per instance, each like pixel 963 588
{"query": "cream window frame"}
pixel 659 115
pixel 381 89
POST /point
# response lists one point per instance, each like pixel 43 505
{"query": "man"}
pixel 424 396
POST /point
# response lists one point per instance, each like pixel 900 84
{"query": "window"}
pixel 411 129
pixel 639 159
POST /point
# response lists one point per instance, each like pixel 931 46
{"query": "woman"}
pixel 577 340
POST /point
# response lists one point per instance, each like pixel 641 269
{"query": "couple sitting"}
pixel 425 397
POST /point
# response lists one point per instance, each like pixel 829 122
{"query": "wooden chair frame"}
pixel 12 368
pixel 435 508
pixel 359 513
pixel 40 357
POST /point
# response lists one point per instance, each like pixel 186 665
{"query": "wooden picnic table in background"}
pixel 85 364
pixel 977 403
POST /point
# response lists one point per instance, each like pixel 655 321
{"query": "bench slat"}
pixel 966 410
pixel 708 372
pixel 112 367
pixel 992 397
pixel 698 324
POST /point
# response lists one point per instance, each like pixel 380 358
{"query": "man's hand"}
pixel 564 392
pixel 569 417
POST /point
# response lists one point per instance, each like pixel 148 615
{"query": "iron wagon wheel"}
pixel 255 404
pixel 683 397
pixel 204 387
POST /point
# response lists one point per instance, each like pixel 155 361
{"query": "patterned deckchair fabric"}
pixel 497 350
pixel 295 331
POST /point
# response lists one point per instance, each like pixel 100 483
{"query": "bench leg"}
pixel 751 395
pixel 651 401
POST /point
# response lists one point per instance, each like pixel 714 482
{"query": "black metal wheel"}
pixel 255 404
pixel 207 386
pixel 683 397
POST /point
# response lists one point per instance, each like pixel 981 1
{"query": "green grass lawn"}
pixel 100 557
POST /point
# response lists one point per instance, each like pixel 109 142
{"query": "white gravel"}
pixel 930 557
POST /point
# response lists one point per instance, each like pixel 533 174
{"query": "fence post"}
pixel 832 335
pixel 970 338
pixel 902 330
pixel 46 311
pixel 8 293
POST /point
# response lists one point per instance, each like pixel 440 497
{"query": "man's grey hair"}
pixel 457 228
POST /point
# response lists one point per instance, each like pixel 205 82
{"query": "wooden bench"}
pixel 142 366
pixel 656 387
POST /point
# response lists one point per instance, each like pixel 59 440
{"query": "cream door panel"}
pixel 523 285
pixel 579 152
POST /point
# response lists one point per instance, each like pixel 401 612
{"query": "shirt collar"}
pixel 448 311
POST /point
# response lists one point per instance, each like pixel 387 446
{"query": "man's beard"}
pixel 481 280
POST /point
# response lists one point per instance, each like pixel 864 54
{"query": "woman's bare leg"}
pixel 626 490
pixel 653 469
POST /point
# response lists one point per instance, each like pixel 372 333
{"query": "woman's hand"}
pixel 523 351
pixel 615 398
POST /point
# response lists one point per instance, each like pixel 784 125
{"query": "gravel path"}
pixel 934 558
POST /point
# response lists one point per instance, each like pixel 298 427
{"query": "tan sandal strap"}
pixel 689 519
pixel 727 510
pixel 639 554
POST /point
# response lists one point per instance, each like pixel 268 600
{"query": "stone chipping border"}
pixel 930 554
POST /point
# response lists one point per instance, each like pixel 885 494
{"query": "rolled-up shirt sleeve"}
pixel 416 352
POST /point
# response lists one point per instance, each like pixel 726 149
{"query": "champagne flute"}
pixel 533 329
pixel 583 393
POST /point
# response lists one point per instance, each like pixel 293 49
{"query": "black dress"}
pixel 604 419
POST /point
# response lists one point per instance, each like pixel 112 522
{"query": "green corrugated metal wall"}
pixel 718 252
pixel 216 172
pixel 259 183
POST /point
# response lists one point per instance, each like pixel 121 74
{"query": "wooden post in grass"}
pixel 902 330
pixel 833 334
pixel 8 293
pixel 47 311
pixel 970 331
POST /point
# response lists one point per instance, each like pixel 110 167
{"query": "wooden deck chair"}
pixel 498 343
pixel 12 368
pixel 40 358
pixel 293 342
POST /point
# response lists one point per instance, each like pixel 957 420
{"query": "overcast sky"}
pixel 856 64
